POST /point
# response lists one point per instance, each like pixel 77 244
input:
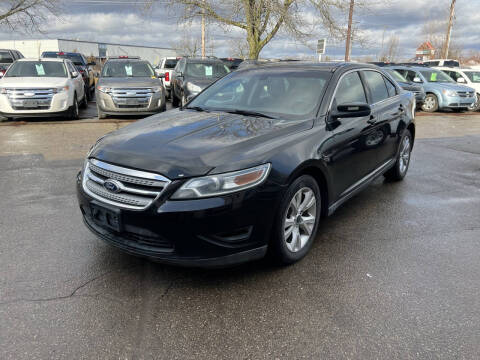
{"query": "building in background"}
pixel 34 48
pixel 425 52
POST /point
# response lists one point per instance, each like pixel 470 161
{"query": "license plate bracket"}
pixel 30 103
pixel 106 217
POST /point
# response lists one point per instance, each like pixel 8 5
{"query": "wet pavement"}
pixel 394 273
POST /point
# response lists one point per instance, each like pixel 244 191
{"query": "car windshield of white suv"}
pixel 396 75
pixel 206 70
pixel 124 69
pixel 474 76
pixel 292 95
pixel 5 57
pixel 37 69
pixel 435 76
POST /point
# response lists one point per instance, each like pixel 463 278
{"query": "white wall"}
pixel 30 48
pixel 85 48
pixel 153 55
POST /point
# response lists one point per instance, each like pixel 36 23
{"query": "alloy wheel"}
pixel 404 158
pixel 429 103
pixel 299 220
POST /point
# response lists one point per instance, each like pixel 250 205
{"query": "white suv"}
pixel 41 88
pixel 469 77
pixel 165 67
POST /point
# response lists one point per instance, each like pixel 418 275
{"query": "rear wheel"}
pixel 297 221
pixel 399 170
pixel 430 104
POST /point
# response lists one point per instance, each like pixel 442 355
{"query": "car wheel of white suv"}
pixel 74 109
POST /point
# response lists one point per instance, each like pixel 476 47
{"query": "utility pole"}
pixel 449 30
pixel 349 31
pixel 203 30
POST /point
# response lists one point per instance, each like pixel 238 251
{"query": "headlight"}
pixel 62 89
pixel 220 184
pixel 193 87
pixel 449 93
pixel 104 89
pixel 156 89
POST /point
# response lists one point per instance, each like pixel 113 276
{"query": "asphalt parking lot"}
pixel 394 273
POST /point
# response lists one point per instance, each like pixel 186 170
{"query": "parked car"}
pixel 7 57
pixel 192 75
pixel 128 86
pixel 250 165
pixel 83 66
pixel 165 68
pixel 442 62
pixel 442 91
pixel 41 88
pixel 468 77
pixel 406 85
pixel 232 63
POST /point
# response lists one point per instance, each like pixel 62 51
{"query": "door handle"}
pixel 372 120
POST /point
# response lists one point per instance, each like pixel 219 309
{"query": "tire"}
pixel 430 104
pixel 400 169
pixel 74 109
pixel 174 98
pixel 476 105
pixel 84 103
pixel 282 248
pixel 184 100
pixel 101 114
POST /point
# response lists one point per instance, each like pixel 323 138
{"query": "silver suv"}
pixel 128 86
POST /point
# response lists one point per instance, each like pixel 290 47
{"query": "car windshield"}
pixel 396 75
pixel 127 69
pixel 474 76
pixel 37 69
pixel 286 94
pixel 170 63
pixel 75 58
pixel 435 76
pixel 206 70
pixel 453 63
pixel 5 57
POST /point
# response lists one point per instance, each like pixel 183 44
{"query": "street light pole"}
pixel 349 31
pixel 203 30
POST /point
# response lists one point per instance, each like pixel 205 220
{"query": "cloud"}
pixel 129 24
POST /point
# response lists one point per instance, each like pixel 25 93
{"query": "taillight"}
pixel 167 76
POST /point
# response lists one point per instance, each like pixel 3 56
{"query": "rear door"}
pixel 387 113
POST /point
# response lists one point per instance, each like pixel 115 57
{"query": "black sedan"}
pixel 248 167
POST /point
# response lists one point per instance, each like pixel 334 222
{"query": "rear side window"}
pixel 392 90
pixel 350 90
pixel 451 63
pixel 6 57
pixel 377 86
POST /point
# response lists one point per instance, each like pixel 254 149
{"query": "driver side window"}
pixel 350 90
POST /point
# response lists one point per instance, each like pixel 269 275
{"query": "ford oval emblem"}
pixel 112 185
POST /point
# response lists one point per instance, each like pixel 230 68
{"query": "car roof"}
pixel 311 65
pixel 44 59
pixel 408 67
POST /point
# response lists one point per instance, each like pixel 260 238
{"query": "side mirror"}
pixel 74 74
pixel 416 79
pixel 92 63
pixel 351 111
pixel 461 80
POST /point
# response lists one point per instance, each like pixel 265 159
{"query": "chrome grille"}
pixel 137 190
pixel 465 94
pixel 131 97
pixel 28 99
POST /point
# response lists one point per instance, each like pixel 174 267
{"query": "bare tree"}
pixel 26 15
pixel 390 53
pixel 262 20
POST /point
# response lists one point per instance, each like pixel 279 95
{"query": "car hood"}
pixel 187 143
pixel 37 82
pixel 129 82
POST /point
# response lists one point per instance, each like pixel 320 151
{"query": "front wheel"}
pixel 430 104
pixel 476 105
pixel 74 109
pixel 296 221
pixel 399 170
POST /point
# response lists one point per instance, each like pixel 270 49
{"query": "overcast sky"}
pixel 121 22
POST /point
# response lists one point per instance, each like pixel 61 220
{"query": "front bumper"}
pixel 59 106
pixel 106 105
pixel 457 101
pixel 210 232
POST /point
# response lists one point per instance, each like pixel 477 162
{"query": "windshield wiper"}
pixel 196 108
pixel 249 113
